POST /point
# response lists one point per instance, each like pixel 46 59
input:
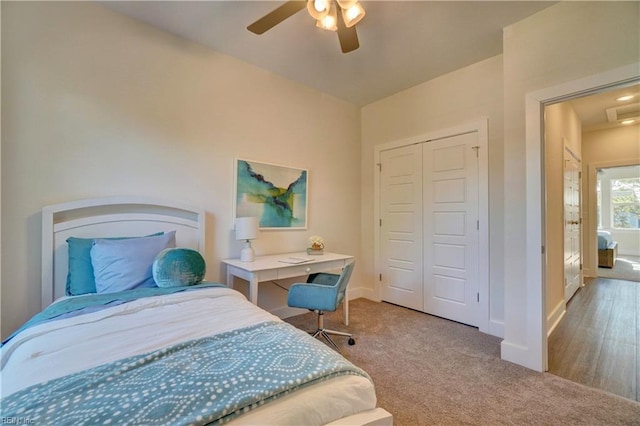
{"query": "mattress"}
pixel 55 349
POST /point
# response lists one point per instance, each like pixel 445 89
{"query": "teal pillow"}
pixel 178 267
pixel 80 279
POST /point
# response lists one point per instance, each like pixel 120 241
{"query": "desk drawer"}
pixel 310 268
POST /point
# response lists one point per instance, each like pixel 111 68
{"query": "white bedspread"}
pixel 65 346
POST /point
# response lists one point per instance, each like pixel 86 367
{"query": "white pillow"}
pixel 120 265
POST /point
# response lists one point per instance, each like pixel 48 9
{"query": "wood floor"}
pixel 597 343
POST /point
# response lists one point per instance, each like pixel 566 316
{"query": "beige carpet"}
pixel 626 268
pixel 430 371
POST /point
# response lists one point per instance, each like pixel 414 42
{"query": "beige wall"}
pixel 605 148
pixel 97 104
pixel 83 86
pixel 562 127
pixel 566 42
pixel 457 98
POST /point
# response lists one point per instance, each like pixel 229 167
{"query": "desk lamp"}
pixel 247 230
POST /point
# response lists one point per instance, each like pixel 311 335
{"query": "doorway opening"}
pixel 593 338
pixel 618 222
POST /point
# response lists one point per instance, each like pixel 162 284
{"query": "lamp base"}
pixel 247 254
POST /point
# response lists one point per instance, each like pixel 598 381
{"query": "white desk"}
pixel 268 268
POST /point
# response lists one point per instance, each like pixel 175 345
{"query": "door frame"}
pixel 535 354
pixel 480 126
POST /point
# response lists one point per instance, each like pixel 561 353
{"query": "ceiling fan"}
pixel 325 12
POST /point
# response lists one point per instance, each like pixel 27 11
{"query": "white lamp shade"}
pixel 346 4
pixel 318 9
pixel 353 15
pixel 246 228
pixel 329 22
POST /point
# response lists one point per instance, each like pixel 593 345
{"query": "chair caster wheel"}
pixel 351 341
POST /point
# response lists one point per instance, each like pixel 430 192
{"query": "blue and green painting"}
pixel 277 195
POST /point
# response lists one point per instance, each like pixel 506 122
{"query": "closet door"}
pixel 401 226
pixel 451 236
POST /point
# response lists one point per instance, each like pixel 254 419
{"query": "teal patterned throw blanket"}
pixel 205 381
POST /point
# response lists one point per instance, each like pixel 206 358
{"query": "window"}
pixel 625 203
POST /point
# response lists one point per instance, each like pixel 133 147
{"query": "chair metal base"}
pixel 321 331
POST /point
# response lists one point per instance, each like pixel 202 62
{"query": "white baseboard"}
pixel 519 354
pixel 554 318
pixel 362 292
pixel 496 328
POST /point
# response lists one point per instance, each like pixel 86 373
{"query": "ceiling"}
pixel 402 43
pixel 603 111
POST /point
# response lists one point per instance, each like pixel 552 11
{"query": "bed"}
pixel 607 250
pixel 196 353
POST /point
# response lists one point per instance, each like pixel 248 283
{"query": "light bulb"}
pixel 353 15
pixel 320 5
pixel 330 21
pixel 625 98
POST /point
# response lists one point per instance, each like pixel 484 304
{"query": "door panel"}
pixel 429 238
pixel 450 182
pixel 401 226
pixel 572 215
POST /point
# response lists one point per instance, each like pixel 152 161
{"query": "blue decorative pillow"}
pixel 80 279
pixel 178 267
pixel 120 265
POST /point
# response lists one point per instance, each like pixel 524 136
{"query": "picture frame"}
pixel 276 194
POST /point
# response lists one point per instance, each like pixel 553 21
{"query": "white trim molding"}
pixel 481 126
pixel 533 354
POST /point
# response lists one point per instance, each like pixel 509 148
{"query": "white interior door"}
pixel 451 228
pixel 401 226
pixel 572 223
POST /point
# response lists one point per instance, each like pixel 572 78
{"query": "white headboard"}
pixel 110 217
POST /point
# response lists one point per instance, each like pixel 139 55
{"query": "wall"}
pixel 562 126
pixel 563 43
pixel 456 98
pixel 605 148
pixel 96 104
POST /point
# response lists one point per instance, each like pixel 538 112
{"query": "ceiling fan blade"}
pixel 276 16
pixel 348 37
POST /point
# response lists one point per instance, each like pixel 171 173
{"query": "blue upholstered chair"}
pixel 322 293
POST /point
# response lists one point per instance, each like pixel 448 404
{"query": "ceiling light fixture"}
pixel 318 9
pixel 352 12
pixel 625 98
pixel 330 21
pixel 627 122
pixel 325 12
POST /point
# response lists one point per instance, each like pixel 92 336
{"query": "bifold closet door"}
pixel 401 226
pixel 451 236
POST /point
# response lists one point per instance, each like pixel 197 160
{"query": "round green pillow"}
pixel 178 267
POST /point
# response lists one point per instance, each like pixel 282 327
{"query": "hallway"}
pixel 597 343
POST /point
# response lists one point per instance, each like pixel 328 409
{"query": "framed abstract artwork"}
pixel 276 195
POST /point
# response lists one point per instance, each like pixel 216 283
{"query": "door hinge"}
pixel 478 225
pixel 380 277
pixel 478 297
pixel 476 149
pixel 381 223
pixel 379 166
pixel 581 266
pixel 542 249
